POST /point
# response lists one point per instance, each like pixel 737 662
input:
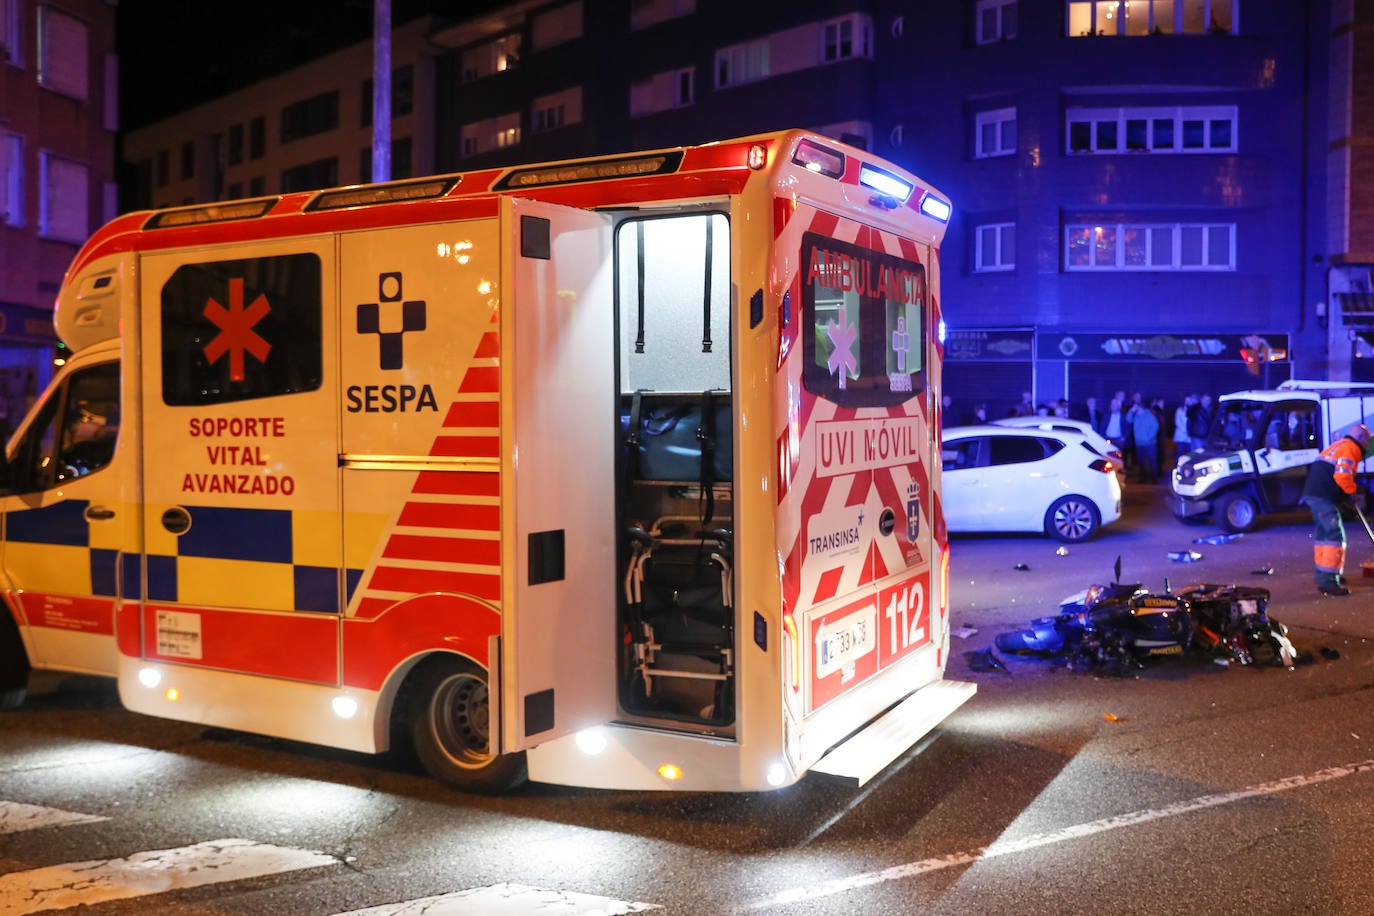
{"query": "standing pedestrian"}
pixel 1330 485
pixel 1181 438
pixel 1145 432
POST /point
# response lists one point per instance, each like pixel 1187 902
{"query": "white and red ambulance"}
pixel 615 472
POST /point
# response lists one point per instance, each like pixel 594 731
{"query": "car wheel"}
pixel 1072 518
pixel 1237 512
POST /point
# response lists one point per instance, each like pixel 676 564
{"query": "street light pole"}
pixel 381 90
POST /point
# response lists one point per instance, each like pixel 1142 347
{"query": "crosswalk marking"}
pixel 17 816
pixel 152 872
pixel 507 900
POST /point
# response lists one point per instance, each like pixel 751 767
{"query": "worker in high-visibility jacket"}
pixel 1331 485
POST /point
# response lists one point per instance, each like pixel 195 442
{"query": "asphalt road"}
pixel 1184 787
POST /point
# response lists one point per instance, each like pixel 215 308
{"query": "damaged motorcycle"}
pixel 1120 625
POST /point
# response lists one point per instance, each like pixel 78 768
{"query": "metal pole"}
pixel 381 90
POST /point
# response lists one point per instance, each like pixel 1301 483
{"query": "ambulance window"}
pixel 673 284
pixel 74 433
pixel 244 329
pixel 863 331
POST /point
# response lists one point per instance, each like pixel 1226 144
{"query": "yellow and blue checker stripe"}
pixel 229 557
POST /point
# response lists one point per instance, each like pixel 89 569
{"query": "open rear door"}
pixel 558 411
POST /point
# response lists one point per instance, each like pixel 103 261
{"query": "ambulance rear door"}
pixel 558 414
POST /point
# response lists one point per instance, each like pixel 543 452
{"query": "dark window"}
pixel 960 454
pixel 1016 449
pixel 1106 135
pixel 365 165
pixel 1080 136
pixel 74 433
pixel 257 138
pixel 365 104
pixel 311 116
pixel 235 151
pixel 237 330
pixel 164 168
pixel 322 173
pixel 401 166
pixel 1137 134
pixel 188 160
pixel 235 190
pixel 864 325
pixel 257 186
pixel 1220 134
pixel 1164 133
pixel 402 91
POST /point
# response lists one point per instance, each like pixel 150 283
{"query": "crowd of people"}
pixel 1150 433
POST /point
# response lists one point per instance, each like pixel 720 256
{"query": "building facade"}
pixel 1160 196
pixel 58 124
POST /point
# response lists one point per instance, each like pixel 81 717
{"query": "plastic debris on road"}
pixel 1021 567
pixel 1218 539
pixel 1062 552
pixel 1262 571
pixel 1185 556
pixel 1110 717
pixel 963 632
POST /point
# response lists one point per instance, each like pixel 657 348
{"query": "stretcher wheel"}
pixel 450 729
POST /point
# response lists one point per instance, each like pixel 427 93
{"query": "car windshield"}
pixel 1238 424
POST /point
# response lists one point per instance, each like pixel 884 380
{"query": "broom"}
pixel 1367 567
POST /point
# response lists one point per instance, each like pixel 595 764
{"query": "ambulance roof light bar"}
pixel 820 159
pixel 210 213
pixel 936 208
pixel 591 170
pixel 392 193
pixel 884 182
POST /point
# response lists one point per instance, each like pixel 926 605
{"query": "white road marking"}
pixel 152 872
pixel 507 900
pixel 1036 840
pixel 17 816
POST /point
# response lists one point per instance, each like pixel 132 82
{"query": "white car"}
pixel 1015 478
pixel 1100 443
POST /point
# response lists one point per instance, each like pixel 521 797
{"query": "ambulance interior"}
pixel 675 484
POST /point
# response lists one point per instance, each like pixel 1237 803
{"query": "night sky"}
pixel 175 54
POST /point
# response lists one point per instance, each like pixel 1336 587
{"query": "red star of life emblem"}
pixel 236 335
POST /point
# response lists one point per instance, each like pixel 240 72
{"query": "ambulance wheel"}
pixel 1072 518
pixel 1237 512
pixel 14 664
pixel 450 728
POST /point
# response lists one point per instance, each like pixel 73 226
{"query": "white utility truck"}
pixel 1259 446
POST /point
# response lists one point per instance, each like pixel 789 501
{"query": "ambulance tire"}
pixel 14 664
pixel 449 729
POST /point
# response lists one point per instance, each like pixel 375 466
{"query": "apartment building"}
pixel 310 127
pixel 1155 195
pixel 58 123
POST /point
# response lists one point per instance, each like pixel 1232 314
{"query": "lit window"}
pixel 842 39
pixel 1150 246
pixel 1151 17
pixel 738 64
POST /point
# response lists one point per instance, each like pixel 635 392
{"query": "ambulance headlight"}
pixel 150 677
pixel 776 775
pixel 344 707
pixel 591 741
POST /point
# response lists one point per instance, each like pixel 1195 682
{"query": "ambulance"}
pixel 618 472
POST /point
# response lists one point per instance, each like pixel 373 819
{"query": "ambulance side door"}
pixel 242 568
pixel 558 416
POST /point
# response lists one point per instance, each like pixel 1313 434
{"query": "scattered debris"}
pixel 1022 567
pixel 984 661
pixel 1110 717
pixel 963 632
pixel 1185 556
pixel 1062 552
pixel 1329 653
pixel 1218 539
pixel 1262 571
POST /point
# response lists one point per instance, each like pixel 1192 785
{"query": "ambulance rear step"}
pixel 865 753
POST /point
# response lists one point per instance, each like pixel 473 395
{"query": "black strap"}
pixel 632 435
pixel 639 237
pixel 706 296
pixel 706 435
